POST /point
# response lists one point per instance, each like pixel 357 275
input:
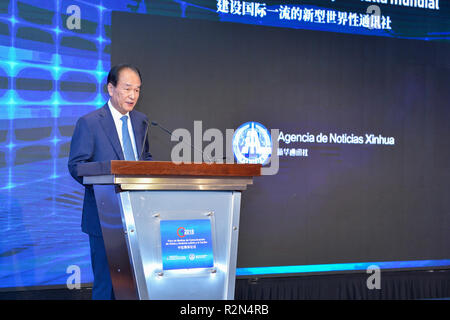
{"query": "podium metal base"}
pixel 143 259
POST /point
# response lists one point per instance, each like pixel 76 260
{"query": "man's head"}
pixel 124 85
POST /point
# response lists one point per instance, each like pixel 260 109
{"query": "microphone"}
pixel 145 139
pixel 156 124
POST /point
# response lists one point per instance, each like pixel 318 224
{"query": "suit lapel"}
pixel 107 123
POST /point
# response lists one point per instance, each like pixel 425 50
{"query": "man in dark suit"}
pixel 113 132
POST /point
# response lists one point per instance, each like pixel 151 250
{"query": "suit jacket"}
pixel 94 139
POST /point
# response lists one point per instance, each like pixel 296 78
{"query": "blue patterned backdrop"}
pixel 51 75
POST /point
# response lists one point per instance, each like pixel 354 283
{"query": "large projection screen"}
pixel 375 190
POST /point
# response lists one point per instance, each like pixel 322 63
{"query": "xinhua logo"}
pixel 252 143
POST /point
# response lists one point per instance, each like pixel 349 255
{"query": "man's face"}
pixel 125 94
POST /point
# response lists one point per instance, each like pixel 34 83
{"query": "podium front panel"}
pixel 179 244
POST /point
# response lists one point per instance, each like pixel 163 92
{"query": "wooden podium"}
pixel 170 230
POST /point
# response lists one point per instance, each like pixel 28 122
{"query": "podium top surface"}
pixel 167 168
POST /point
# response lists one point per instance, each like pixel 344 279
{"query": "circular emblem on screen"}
pixel 180 232
pixel 252 143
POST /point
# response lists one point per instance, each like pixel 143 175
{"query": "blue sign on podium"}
pixel 186 244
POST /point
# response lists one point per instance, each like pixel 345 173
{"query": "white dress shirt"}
pixel 116 116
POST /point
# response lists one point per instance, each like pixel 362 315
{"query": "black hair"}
pixel 113 75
